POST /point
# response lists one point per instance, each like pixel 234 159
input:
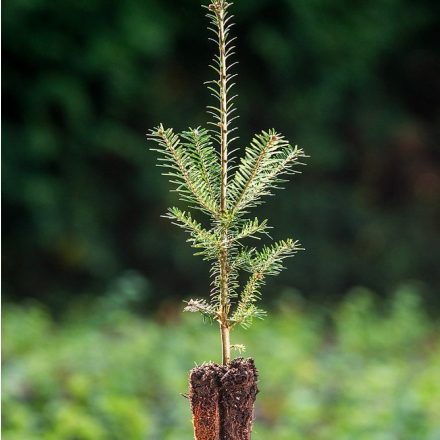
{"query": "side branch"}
pixel 181 169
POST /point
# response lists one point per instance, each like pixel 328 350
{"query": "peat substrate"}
pixel 222 399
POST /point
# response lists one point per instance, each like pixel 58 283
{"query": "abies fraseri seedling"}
pixel 202 166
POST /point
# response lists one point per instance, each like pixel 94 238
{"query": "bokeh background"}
pixel 95 345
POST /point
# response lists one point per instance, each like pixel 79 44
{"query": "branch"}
pixel 250 228
pixel 200 238
pixel 205 158
pixel 183 170
pixel 266 262
pixel 268 156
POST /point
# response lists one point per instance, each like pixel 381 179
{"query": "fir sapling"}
pixel 202 165
pixel 198 163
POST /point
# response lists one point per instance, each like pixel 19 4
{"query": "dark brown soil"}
pixel 222 400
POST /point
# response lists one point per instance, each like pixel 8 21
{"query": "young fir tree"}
pixel 201 165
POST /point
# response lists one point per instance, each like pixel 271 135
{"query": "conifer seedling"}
pixel 202 165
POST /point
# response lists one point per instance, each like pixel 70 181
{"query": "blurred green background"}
pixel 357 372
pixel 95 346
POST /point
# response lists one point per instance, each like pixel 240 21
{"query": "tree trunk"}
pixel 222 400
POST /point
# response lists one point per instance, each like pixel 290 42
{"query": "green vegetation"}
pixel 354 373
pixel 205 173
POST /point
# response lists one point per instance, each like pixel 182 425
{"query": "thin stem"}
pixel 219 8
pixel 226 344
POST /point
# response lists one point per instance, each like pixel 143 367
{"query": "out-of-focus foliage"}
pixel 358 372
pixel 354 83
